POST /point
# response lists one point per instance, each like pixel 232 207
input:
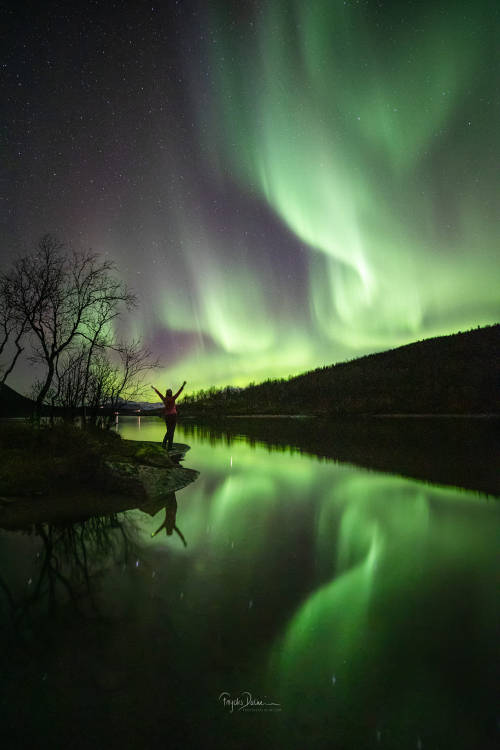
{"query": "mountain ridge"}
pixel 454 374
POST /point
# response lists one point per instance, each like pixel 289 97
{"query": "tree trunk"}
pixel 37 411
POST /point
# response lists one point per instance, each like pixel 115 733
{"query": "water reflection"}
pixel 461 452
pixel 362 603
pixel 406 583
pixel 68 560
pixel 170 517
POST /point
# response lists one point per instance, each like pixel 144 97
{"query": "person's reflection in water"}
pixel 170 514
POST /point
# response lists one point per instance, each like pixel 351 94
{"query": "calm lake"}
pixel 300 602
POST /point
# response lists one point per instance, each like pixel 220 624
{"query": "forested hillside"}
pixel 457 374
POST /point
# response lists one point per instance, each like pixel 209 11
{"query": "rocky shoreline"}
pixel 132 474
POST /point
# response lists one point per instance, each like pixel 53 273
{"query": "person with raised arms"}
pixel 170 414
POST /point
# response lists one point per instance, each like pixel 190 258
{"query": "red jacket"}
pixel 169 401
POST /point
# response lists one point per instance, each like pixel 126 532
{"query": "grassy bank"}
pixel 38 460
pixel 50 459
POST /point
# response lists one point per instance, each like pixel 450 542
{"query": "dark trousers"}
pixel 170 422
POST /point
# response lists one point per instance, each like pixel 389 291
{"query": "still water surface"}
pixel 302 603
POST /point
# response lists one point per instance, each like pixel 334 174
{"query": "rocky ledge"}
pixel 148 472
pixel 129 474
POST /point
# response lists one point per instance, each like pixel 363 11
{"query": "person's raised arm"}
pixel 180 390
pixel 163 526
pixel 181 536
pixel 158 392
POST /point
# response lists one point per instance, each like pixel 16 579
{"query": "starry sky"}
pixel 285 184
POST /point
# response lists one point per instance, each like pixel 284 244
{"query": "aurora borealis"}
pixel 373 590
pixel 285 184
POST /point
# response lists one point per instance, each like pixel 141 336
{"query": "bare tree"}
pixel 13 328
pixel 88 381
pixel 117 373
pixel 64 297
pixel 67 389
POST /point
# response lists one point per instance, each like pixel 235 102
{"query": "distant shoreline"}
pixel 329 417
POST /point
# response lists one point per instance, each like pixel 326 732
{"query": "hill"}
pixel 456 374
pixel 12 404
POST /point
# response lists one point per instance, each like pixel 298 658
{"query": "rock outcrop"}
pixel 136 474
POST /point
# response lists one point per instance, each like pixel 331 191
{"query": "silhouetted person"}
pixel 170 414
pixel 169 522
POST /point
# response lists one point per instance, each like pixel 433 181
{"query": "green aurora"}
pixel 284 184
pixel 373 148
pixel 358 640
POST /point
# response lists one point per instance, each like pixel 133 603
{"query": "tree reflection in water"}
pixel 71 557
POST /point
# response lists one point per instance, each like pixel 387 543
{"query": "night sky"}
pixel 285 184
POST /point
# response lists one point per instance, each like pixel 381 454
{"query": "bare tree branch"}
pixel 13 327
pixel 62 298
